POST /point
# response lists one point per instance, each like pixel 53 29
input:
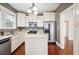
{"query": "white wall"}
pixel 76 30
pixel 62 33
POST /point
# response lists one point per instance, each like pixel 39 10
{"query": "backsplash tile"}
pixel 12 32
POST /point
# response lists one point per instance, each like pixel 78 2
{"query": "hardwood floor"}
pixel 68 46
pixel 53 49
pixel 20 50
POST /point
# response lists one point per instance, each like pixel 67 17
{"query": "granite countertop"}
pixel 40 33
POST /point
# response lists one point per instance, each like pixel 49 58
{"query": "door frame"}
pixel 67 24
pixel 62 41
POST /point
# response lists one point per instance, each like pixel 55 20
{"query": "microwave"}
pixel 33 26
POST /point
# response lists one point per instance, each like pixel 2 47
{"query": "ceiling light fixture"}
pixel 29 11
pixel 33 9
pixel 35 13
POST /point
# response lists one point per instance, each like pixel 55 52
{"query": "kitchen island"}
pixel 36 44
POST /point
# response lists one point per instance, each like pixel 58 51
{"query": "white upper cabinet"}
pixel 35 18
pixel 52 17
pixel 21 20
pixel 40 21
pixel 27 21
pixel 32 18
pixel 46 17
pixel 49 16
pixel 7 18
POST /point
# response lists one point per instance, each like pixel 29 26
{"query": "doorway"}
pixel 66 30
pixel 68 42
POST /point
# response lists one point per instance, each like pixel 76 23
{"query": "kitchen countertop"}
pixel 3 37
pixel 40 33
pixel 33 35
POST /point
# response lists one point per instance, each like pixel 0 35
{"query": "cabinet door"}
pixel 40 21
pixel 14 43
pixel 36 46
pixel 21 20
pixel 52 17
pixel 30 18
pixel 21 39
pixel 46 17
pixel 18 20
pixel 34 18
pixel 27 21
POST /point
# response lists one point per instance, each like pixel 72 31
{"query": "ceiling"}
pixel 42 7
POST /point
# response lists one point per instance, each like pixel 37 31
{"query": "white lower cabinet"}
pixel 36 46
pixel 13 44
pixel 16 41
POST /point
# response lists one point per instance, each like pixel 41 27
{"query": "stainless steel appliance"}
pixel 32 27
pixel 49 27
pixel 5 46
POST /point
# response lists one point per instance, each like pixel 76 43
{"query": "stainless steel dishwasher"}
pixel 5 46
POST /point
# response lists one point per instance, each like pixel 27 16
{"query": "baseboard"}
pixel 51 42
pixel 59 45
pixel 17 48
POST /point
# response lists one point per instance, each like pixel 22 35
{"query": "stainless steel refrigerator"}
pixel 49 27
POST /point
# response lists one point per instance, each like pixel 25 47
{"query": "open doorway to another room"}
pixel 68 41
pixel 67 30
